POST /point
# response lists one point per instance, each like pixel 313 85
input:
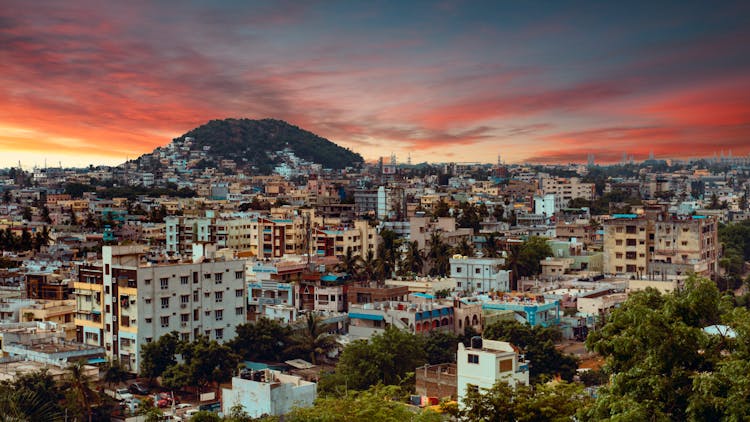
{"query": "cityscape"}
pixel 435 211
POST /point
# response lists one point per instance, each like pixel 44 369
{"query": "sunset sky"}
pixel 95 82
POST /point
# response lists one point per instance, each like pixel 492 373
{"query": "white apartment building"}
pixel 125 300
pixel 479 274
pixel 487 362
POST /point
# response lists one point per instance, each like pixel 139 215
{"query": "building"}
pixel 479 274
pixel 657 244
pixel 487 362
pixel 127 300
pixel 436 380
pixel 359 238
pixel 530 310
pixel 268 392
pixel 368 319
pixel 566 190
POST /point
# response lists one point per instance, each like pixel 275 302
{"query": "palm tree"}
pixel 437 255
pixel 313 338
pixel 80 383
pixel 349 263
pixel 115 372
pixel 490 246
pixel 369 266
pixel 414 260
pixel 25 405
pixel 464 248
pixel 512 260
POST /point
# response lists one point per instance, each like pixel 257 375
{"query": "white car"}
pixel 183 406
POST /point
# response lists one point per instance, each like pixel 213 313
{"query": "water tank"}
pixel 476 342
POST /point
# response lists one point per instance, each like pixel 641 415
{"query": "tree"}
pixel 26 240
pixel 80 384
pixel 538 344
pixel 437 255
pixel 441 347
pixel 114 372
pixel 204 362
pixel 413 261
pixel 264 340
pixel 158 355
pixel 441 209
pixel 388 358
pixel 544 402
pixel 490 245
pixel 464 248
pixel 313 339
pixel 349 263
pixel 26 405
pixel 41 238
pixel 26 214
pixel 661 363
pixel 379 403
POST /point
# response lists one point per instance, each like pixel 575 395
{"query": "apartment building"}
pixel 479 274
pixel 567 189
pixel 128 299
pixel 359 238
pixel 657 244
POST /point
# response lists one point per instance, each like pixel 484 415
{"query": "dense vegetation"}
pixel 249 142
pixel 735 239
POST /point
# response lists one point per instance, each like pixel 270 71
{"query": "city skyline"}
pixel 450 81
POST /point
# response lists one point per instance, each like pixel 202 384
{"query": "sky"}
pixel 546 82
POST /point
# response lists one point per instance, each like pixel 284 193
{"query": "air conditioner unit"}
pixel 183 325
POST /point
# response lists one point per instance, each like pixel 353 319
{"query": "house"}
pixel 268 392
pixel 487 362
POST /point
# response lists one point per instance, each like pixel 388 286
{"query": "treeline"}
pixel 27 241
pixel 76 190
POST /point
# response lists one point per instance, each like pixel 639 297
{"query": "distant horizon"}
pixel 445 81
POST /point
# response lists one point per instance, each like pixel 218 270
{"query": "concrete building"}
pixel 359 238
pixel 127 300
pixel 479 274
pixel 660 245
pixel 268 392
pixel 487 362
pixel 568 189
pixel 368 319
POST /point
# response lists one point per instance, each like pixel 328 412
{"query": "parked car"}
pixel 137 388
pixel 183 406
pixel 119 394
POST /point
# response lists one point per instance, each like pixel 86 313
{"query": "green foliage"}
pixel 544 402
pixel 379 403
pixel 388 358
pixel 255 139
pixel 205 416
pixel 524 260
pixel 538 344
pixel 441 347
pixel 158 355
pixel 663 365
pixel 438 255
pixel 312 340
pixel 204 362
pixel 735 238
pixel 264 340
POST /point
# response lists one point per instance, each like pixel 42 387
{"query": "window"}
pixel 195 296
pixel 185 299
pixel 207 276
pixel 184 317
pixel 92 337
pixel 125 320
pixel 148 320
pixel 477 270
pixel 185 337
pixel 618 242
pixel 239 311
pixel 184 279
pixel 219 314
pixel 631 242
pixel 164 302
pixel 196 315
pixel 239 292
pixel 218 277
pixel 149 339
pixel 239 275
pixel 506 365
pixel 458 270
pixel 165 321
pixel 630 255
pixel 164 283
pixel 218 297
pixel 219 333
pixel 472 358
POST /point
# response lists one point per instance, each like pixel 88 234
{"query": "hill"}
pixel 253 144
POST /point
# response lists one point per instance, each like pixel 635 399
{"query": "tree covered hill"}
pixel 253 143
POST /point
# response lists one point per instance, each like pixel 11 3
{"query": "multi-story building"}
pixel 358 238
pixel 567 189
pixel 657 244
pixel 479 274
pixel 127 300
pixel 486 362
